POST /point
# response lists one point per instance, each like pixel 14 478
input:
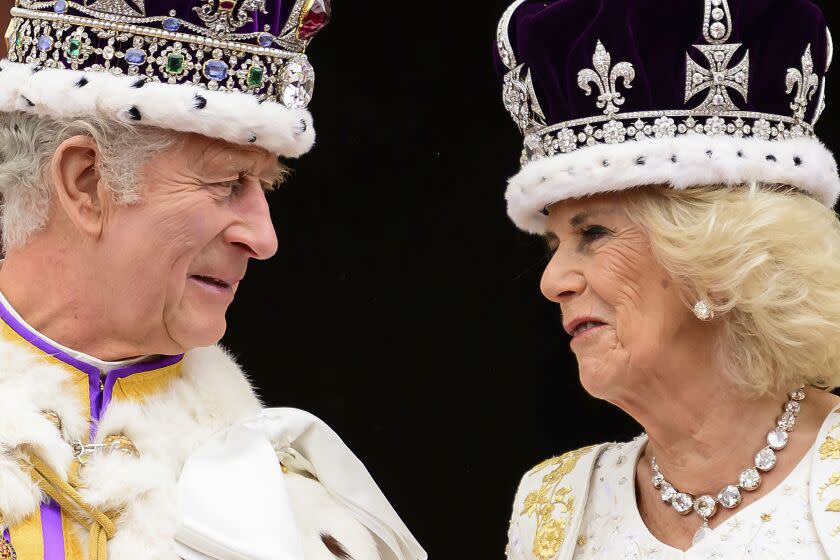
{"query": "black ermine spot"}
pixel 336 548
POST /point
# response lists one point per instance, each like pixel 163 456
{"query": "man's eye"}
pixel 230 186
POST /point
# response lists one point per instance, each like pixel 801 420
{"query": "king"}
pixel 137 145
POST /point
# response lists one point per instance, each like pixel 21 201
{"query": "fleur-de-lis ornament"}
pixel 806 83
pixel 606 79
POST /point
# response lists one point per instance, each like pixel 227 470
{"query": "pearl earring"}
pixel 703 311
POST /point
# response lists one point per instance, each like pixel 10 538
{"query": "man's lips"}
pixel 224 283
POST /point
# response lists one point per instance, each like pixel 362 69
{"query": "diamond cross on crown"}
pixel 718 78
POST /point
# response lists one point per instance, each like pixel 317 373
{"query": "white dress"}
pixel 582 506
pixel 779 525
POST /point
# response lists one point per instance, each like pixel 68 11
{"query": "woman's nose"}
pixel 562 277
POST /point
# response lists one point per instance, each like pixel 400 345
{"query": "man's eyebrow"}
pixel 274 176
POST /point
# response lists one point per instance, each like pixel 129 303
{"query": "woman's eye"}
pixel 594 232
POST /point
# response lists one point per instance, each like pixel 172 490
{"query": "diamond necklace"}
pixel 706 506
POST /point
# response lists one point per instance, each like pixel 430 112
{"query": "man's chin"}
pixel 198 333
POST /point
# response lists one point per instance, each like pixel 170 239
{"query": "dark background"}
pixel 403 307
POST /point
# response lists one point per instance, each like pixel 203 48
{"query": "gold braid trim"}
pixel 100 525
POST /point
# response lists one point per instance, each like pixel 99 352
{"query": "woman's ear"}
pixel 80 189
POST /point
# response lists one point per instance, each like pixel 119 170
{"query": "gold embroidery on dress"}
pixel 833 481
pixel 830 448
pixel 552 504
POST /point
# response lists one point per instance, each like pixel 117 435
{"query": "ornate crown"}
pixel 716 77
pixel 723 92
pixel 218 43
pixel 234 47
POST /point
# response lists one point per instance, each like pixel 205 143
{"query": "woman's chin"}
pixel 595 379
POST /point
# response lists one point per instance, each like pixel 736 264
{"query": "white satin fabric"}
pixel 233 503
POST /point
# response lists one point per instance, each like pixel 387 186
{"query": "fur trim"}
pixel 236 117
pixel 681 162
pixel 211 394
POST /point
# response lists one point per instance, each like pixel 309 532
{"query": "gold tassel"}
pixel 101 527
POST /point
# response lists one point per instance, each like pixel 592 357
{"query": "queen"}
pixel 672 165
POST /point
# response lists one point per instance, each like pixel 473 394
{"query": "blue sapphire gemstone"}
pixel 45 43
pixel 265 39
pixel 60 6
pixel 172 24
pixel 135 57
pixel 216 70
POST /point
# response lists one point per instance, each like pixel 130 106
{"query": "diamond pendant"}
pixel 703 532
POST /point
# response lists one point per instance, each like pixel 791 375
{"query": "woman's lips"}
pixel 580 323
pixel 587 330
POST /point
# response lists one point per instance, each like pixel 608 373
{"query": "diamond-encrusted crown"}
pixel 255 47
pixel 716 67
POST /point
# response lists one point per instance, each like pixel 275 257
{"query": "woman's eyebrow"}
pixel 582 217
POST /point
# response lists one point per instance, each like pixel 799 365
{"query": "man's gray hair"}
pixel 27 145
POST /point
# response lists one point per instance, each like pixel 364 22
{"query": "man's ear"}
pixel 79 186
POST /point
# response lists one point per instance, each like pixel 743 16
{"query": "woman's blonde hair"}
pixel 767 260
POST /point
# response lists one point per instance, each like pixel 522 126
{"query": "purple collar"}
pixel 101 383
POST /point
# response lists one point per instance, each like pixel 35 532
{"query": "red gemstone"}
pixel 313 20
pixel 227 5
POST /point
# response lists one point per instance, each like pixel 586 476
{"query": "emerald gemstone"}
pixel 174 63
pixel 255 76
pixel 74 47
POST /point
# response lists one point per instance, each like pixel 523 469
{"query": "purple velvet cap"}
pixel 555 39
pixel 276 16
